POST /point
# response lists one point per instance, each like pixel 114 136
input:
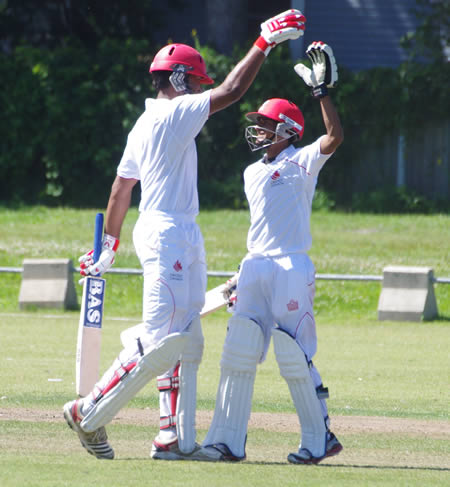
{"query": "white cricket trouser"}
pixel 280 290
pixel 171 252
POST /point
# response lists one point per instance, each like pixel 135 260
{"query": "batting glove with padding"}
pixel 230 286
pixel 288 25
pixel 88 267
pixel 324 72
pixel 229 292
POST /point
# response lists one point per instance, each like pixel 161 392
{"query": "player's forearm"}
pixel 242 76
pixel 335 132
pixel 238 80
pixel 118 204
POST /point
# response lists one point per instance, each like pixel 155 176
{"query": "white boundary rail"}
pixel 329 277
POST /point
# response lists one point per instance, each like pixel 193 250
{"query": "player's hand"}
pixel 324 73
pixel 229 292
pixel 88 267
pixel 230 286
pixel 288 25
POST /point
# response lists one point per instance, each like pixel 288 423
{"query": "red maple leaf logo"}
pixel 275 175
pixel 177 266
pixel 292 305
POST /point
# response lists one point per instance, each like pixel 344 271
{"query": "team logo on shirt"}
pixel 177 275
pixel 292 305
pixel 276 178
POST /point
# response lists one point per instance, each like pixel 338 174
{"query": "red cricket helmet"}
pixel 283 111
pixel 175 56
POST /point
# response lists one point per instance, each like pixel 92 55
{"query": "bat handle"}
pixel 98 236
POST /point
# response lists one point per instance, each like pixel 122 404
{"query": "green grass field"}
pixel 389 381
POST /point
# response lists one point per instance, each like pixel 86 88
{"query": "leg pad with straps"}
pixel 294 369
pixel 244 345
pixel 187 392
pixel 153 363
pixel 168 389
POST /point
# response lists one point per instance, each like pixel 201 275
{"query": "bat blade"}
pixel 214 300
pixel 90 324
pixel 89 335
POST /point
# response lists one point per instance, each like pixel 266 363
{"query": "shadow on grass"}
pixel 342 465
pixel 442 318
pixel 389 467
pixel 322 465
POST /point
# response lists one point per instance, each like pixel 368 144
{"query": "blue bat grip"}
pixel 98 236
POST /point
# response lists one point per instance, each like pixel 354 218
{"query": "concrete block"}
pixel 407 294
pixel 47 283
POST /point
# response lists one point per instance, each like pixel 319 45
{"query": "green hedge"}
pixel 66 114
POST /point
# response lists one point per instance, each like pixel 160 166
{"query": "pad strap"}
pixel 118 376
pixel 167 422
pixel 168 383
pixel 169 386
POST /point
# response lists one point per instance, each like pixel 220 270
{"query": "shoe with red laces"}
pixel 96 443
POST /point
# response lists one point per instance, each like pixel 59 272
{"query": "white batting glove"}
pixel 230 286
pixel 288 25
pixel 229 292
pixel 324 73
pixel 88 267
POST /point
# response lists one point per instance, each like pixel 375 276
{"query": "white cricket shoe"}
pixel 96 443
pixel 227 454
pixel 304 457
pixel 171 451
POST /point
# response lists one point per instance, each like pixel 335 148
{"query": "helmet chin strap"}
pixel 178 79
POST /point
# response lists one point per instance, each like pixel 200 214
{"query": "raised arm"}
pixel 335 133
pixel 238 81
pixel 284 26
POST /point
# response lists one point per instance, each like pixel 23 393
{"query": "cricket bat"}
pixel 214 300
pixel 90 325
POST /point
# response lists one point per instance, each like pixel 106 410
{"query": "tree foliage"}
pixel 431 40
pixel 67 110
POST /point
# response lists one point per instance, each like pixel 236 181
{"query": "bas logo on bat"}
pixel 94 302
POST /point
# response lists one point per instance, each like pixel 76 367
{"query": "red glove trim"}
pixel 262 44
pixel 108 240
pixel 116 245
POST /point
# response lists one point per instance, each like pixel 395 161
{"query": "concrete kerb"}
pixel 48 283
pixel 407 294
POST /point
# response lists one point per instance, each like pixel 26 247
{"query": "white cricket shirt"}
pixel 162 154
pixel 280 195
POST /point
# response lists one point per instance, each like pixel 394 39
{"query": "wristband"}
pixel 262 44
pixel 319 91
pixel 110 242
